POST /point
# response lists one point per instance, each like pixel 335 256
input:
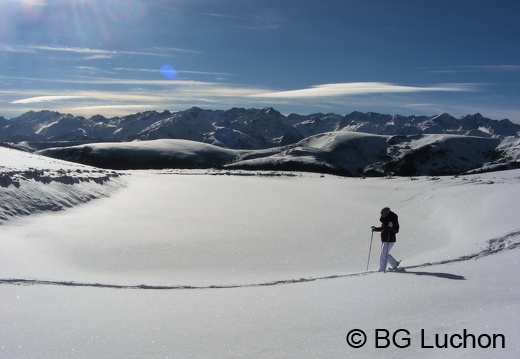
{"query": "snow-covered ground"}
pixel 209 264
pixel 31 184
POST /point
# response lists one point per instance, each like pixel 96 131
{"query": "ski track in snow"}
pixel 495 245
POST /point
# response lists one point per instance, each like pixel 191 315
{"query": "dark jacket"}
pixel 387 233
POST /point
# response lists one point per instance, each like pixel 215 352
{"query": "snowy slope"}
pixel 145 154
pixel 344 152
pixel 202 264
pixel 31 183
pixel 443 154
pixel 341 152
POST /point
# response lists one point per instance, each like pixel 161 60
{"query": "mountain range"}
pixel 264 139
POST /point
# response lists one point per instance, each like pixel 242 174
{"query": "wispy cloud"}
pixel 93 53
pixel 117 96
pixel 38 99
pixel 114 103
pixel 362 88
pixel 89 51
pixel 178 50
pixel 220 15
pixel 14 48
pixel 163 91
pixel 85 96
pixel 80 50
pixel 188 92
pixel 264 21
pixel 482 68
pixel 93 80
pixel 110 107
pixel 98 57
pixel 188 88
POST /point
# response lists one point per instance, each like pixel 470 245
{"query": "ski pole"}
pixel 390 226
pixel 370 248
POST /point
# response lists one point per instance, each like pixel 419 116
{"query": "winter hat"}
pixel 385 212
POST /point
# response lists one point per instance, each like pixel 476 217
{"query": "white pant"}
pixel 383 260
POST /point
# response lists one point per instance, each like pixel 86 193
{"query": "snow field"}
pixel 222 230
pixel 202 230
pixel 305 320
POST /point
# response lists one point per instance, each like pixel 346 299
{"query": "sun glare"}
pixel 32 9
pixel 168 71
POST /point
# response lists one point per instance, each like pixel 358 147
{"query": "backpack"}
pixel 396 222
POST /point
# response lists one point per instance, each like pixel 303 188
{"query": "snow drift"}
pixel 31 183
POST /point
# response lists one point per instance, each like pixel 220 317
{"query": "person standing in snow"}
pixel 389 227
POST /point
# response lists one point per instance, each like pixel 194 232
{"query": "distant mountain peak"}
pixel 263 128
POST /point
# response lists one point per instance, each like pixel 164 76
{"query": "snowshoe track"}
pixel 508 242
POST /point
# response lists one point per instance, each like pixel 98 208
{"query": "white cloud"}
pixel 81 50
pixel 45 99
pixel 98 57
pixel 124 96
pixel 182 93
pixel 362 88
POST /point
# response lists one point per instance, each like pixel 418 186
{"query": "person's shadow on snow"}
pixel 433 274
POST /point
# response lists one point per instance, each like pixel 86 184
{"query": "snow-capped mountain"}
pixel 237 128
pixel 263 139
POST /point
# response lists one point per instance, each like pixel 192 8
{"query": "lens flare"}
pixel 168 71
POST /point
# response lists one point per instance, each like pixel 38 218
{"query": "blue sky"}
pixel 116 57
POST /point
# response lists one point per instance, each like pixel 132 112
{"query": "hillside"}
pixel 343 152
pixel 153 154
